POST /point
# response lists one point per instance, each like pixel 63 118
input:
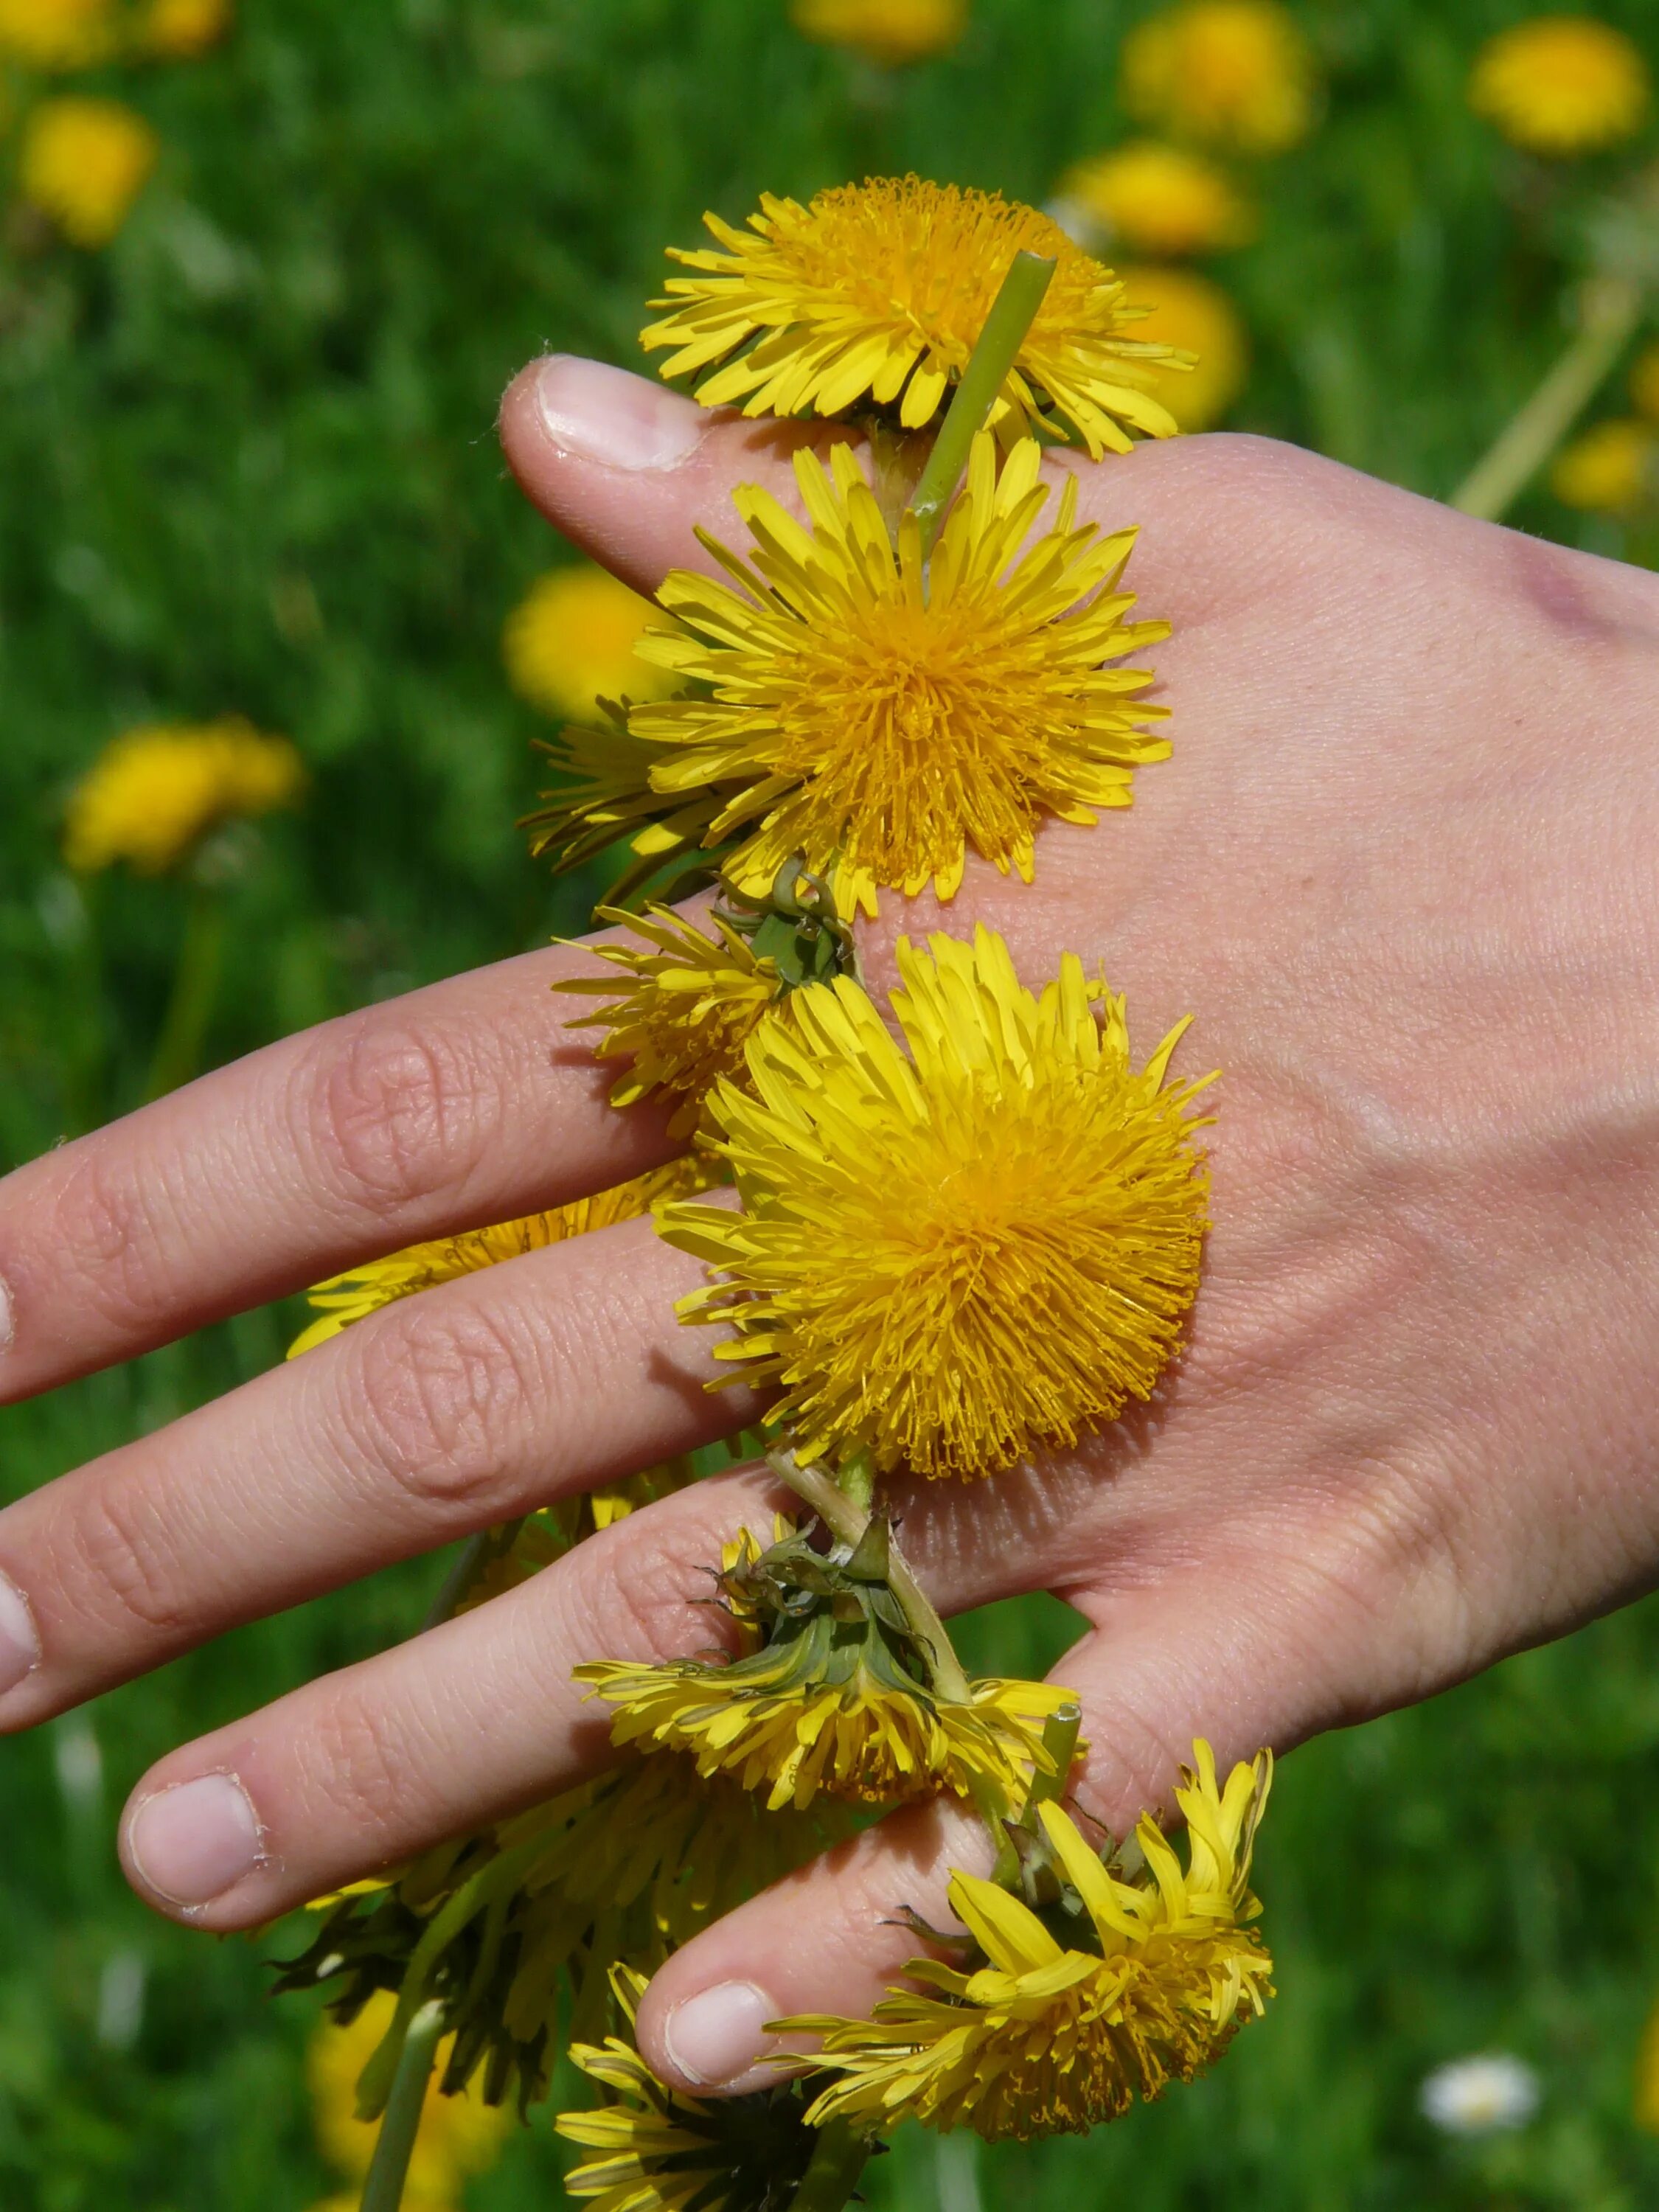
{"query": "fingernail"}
pixel 715 2037
pixel 190 1843
pixel 621 422
pixel 19 1640
pixel 8 1319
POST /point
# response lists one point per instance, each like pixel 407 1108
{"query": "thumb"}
pixel 628 468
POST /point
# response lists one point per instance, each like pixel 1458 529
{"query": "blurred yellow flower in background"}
pixel 83 162
pixel 888 31
pixel 153 793
pixel 57 33
pixel 1233 73
pixel 1610 469
pixel 1159 199
pixel 1194 315
pixel 179 29
pixel 1561 85
pixel 459 2136
pixel 571 641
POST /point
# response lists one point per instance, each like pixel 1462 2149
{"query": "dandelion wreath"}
pixel 968 1228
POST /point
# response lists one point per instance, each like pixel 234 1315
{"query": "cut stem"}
pixel 838 2157
pixel 847 1519
pixel 1012 313
pixel 1610 308
pixel 383 2191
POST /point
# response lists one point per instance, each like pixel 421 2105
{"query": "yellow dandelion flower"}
pixel 690 1005
pixel 459 2134
pixel 1233 73
pixel 890 32
pixel 1561 85
pixel 953 1258
pixel 153 793
pixel 1644 381
pixel 570 642
pixel 1611 469
pixel 180 29
pixel 1196 316
pixel 352 1296
pixel 84 163
pixel 1071 2015
pixel 56 34
pixel 876 294
pixel 652 2149
pixel 1160 200
pixel 842 716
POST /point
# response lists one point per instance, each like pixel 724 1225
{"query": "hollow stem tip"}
pixel 1012 313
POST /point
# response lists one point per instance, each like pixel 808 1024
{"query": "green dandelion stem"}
pixel 178 1053
pixel 845 1518
pixel 1012 313
pixel 839 2156
pixel 383 2191
pixel 1611 308
pixel 478 1553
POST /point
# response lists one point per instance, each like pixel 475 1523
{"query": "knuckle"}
pixel 363 1765
pixel 444 1390
pixel 105 1234
pixel 115 1541
pixel 398 1113
pixel 649 1599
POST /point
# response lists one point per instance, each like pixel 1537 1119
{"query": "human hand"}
pixel 1410 1432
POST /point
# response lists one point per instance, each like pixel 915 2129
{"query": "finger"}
pixel 450 1411
pixel 466 1725
pixel 629 469
pixel 1222 1657
pixel 466 1104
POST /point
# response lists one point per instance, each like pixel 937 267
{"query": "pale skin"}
pixel 1401 866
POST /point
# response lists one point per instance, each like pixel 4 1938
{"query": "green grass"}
pixel 249 465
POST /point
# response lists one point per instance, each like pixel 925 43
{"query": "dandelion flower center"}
pixel 951 1260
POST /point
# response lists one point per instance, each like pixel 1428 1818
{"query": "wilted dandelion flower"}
pixel 890 32
pixel 876 294
pixel 56 34
pixel 352 1296
pixel 1159 199
pixel 653 2149
pixel 153 793
pixel 838 1699
pixel 1195 316
pixel 570 641
pixel 459 2134
pixel 1233 73
pixel 688 1005
pixel 845 718
pixel 1068 2015
pixel 180 29
pixel 631 1865
pixel 1561 85
pixel 83 162
pixel 953 1258
pixel 1488 2094
pixel 1612 468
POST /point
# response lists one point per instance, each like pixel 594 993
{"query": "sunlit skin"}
pixel 1400 864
